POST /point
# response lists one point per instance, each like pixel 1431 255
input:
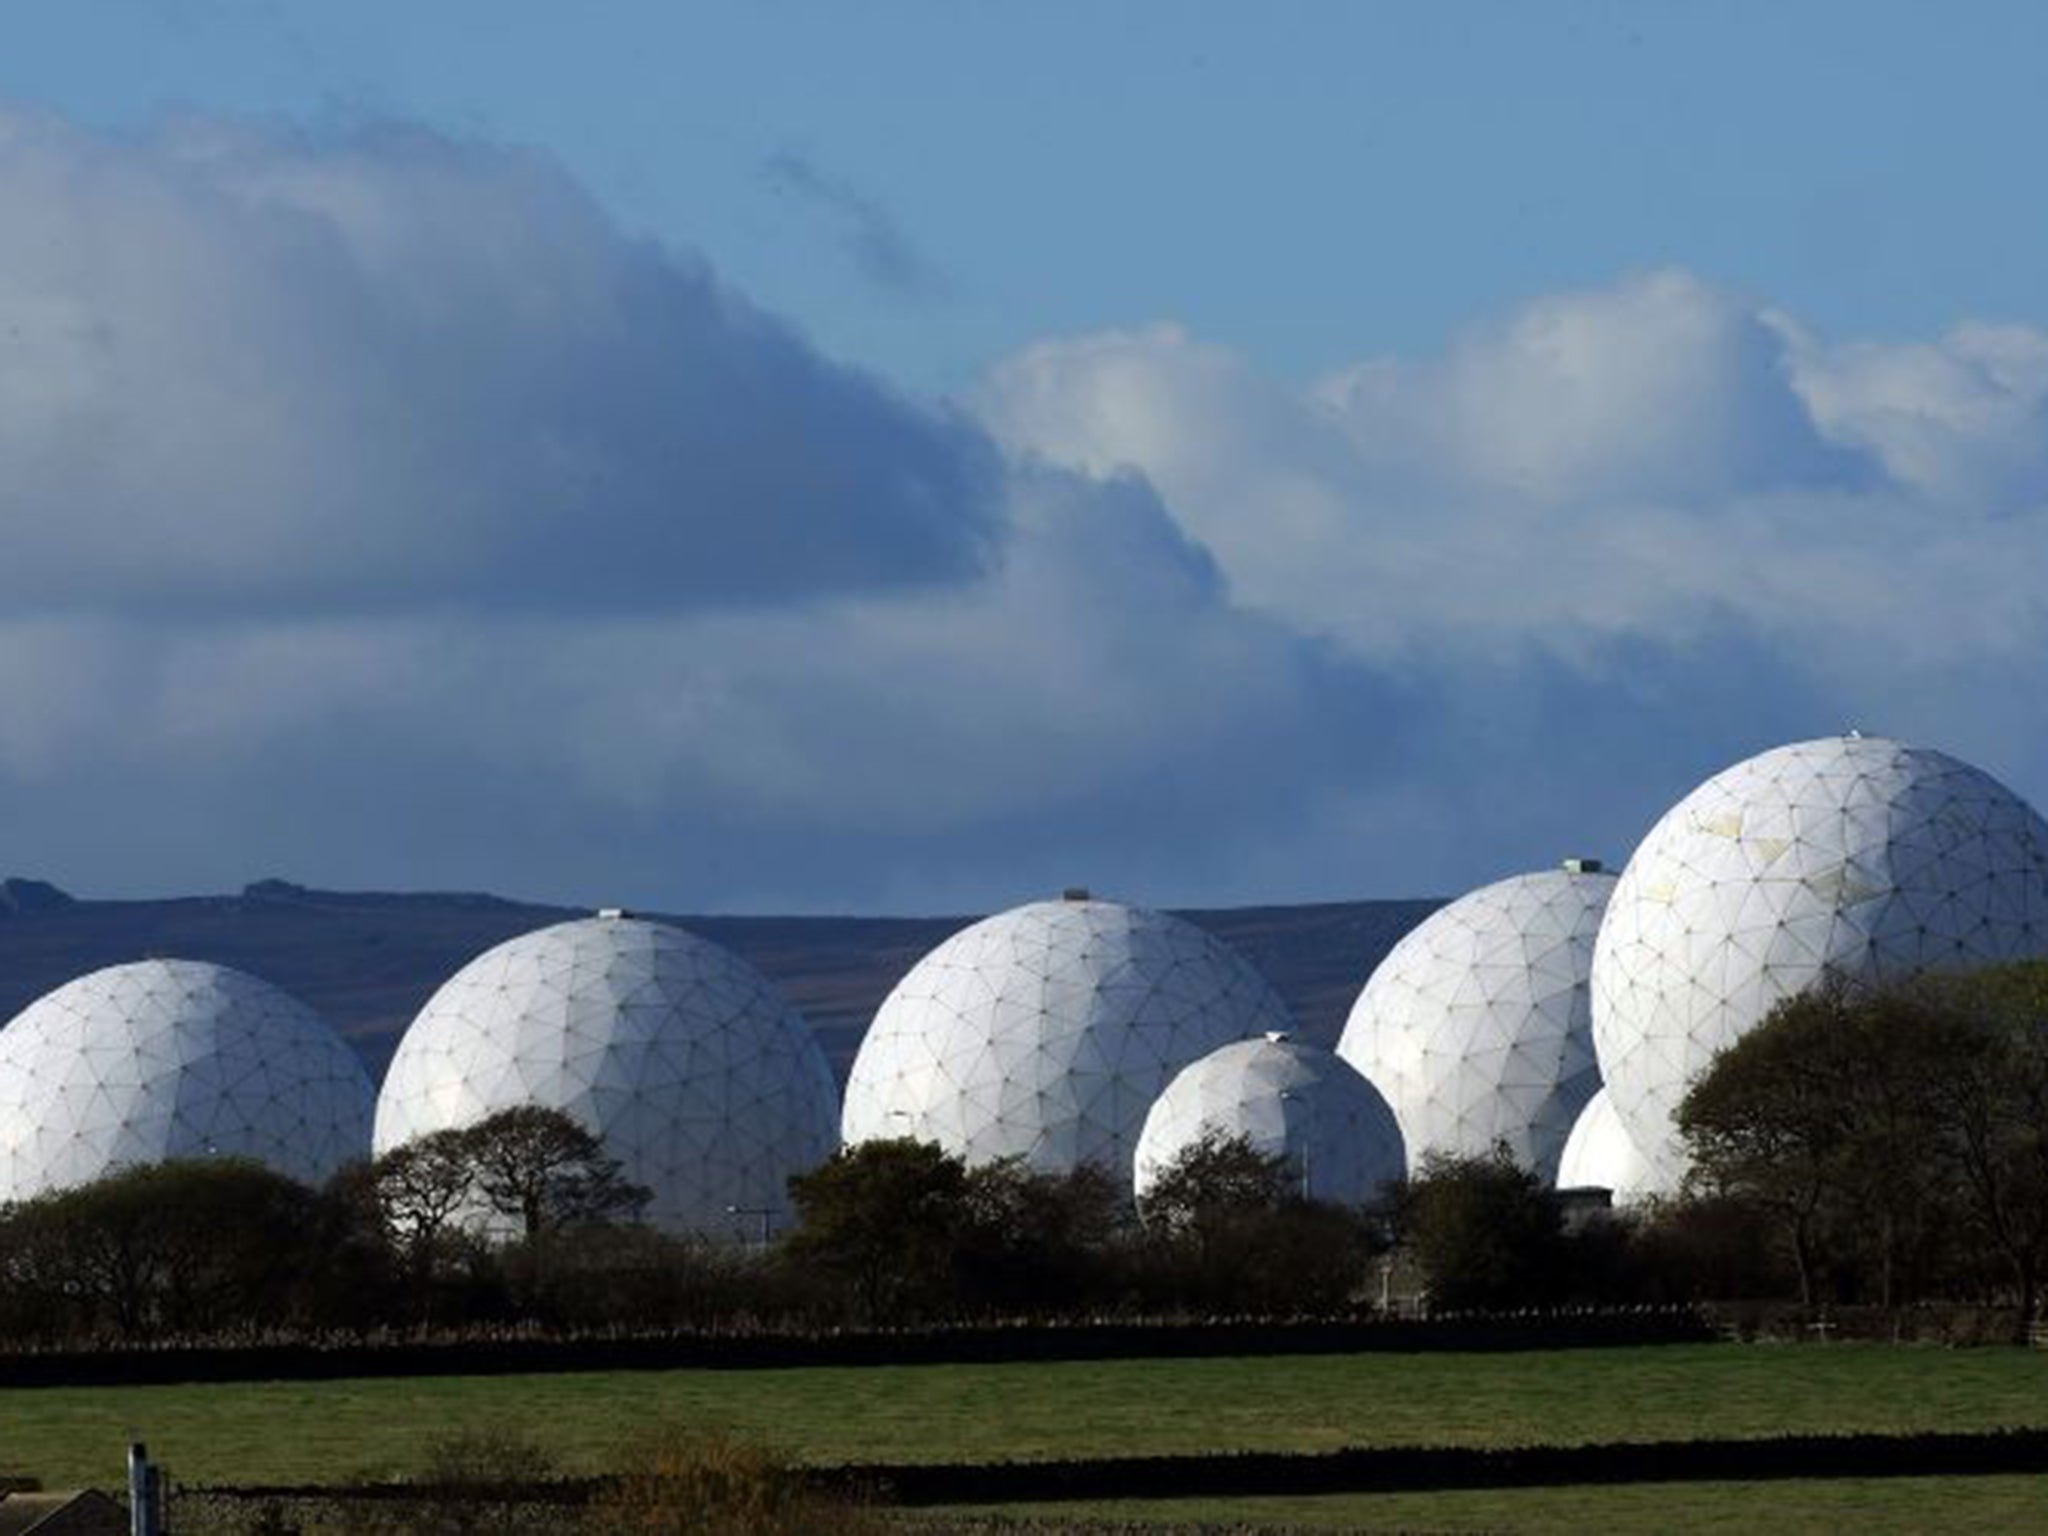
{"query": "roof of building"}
pixel 61 1512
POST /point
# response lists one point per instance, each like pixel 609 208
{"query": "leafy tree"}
pixel 1763 1124
pixel 1213 1182
pixel 359 1279
pixel 1890 1128
pixel 192 1246
pixel 1991 1094
pixel 634 1276
pixel 1838 1115
pixel 1484 1230
pixel 885 1218
pixel 1229 1230
pixel 1035 1242
pixel 1707 1246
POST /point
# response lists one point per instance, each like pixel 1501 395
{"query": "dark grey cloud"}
pixel 259 369
pixel 378 514
pixel 871 234
pixel 1091 708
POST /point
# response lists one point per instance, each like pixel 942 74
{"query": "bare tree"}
pixel 540 1167
pixel 422 1189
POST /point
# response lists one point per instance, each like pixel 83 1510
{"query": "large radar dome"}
pixel 1852 855
pixel 1477 1026
pixel 1048 1030
pixel 701 1080
pixel 1288 1099
pixel 173 1058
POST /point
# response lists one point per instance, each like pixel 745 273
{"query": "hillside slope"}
pixel 367 960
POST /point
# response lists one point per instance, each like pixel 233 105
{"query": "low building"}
pixel 63 1512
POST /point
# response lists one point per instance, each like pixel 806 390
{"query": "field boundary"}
pixel 1254 1474
pixel 991 1344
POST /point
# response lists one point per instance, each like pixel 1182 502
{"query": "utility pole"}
pixel 145 1493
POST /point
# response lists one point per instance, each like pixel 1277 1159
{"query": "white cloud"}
pixel 1651 462
pixel 1963 420
pixel 1658 390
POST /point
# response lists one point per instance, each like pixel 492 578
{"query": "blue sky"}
pixel 1304 181
pixel 899 457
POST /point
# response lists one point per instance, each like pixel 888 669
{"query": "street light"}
pixel 764 1213
pixel 1289 1096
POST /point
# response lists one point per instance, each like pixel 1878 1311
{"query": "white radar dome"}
pixel 1478 1025
pixel 173 1059
pixel 1287 1099
pixel 1048 1030
pixel 702 1082
pixel 1599 1155
pixel 1853 855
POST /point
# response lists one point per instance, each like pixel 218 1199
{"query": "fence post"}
pixel 145 1503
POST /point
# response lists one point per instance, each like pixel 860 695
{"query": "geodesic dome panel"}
pixel 1477 1026
pixel 1288 1099
pixel 704 1084
pixel 1599 1155
pixel 174 1058
pixel 1855 855
pixel 1048 1030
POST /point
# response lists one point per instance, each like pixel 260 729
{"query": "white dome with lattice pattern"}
pixel 174 1059
pixel 1288 1099
pixel 1477 1025
pixel 1850 854
pixel 703 1083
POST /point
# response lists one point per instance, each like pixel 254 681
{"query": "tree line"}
pixel 524 1219
pixel 1867 1145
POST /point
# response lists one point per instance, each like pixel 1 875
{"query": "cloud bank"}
pixel 375 511
pixel 249 368
pixel 1631 489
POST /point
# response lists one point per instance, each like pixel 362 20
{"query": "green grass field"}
pixel 323 1431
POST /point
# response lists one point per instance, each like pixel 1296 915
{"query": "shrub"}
pixel 681 1483
pixel 476 1481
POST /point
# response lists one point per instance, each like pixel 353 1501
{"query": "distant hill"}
pixel 367 961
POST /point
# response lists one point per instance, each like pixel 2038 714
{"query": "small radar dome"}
pixel 1288 1099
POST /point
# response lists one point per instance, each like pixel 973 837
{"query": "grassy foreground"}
pixel 268 1432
